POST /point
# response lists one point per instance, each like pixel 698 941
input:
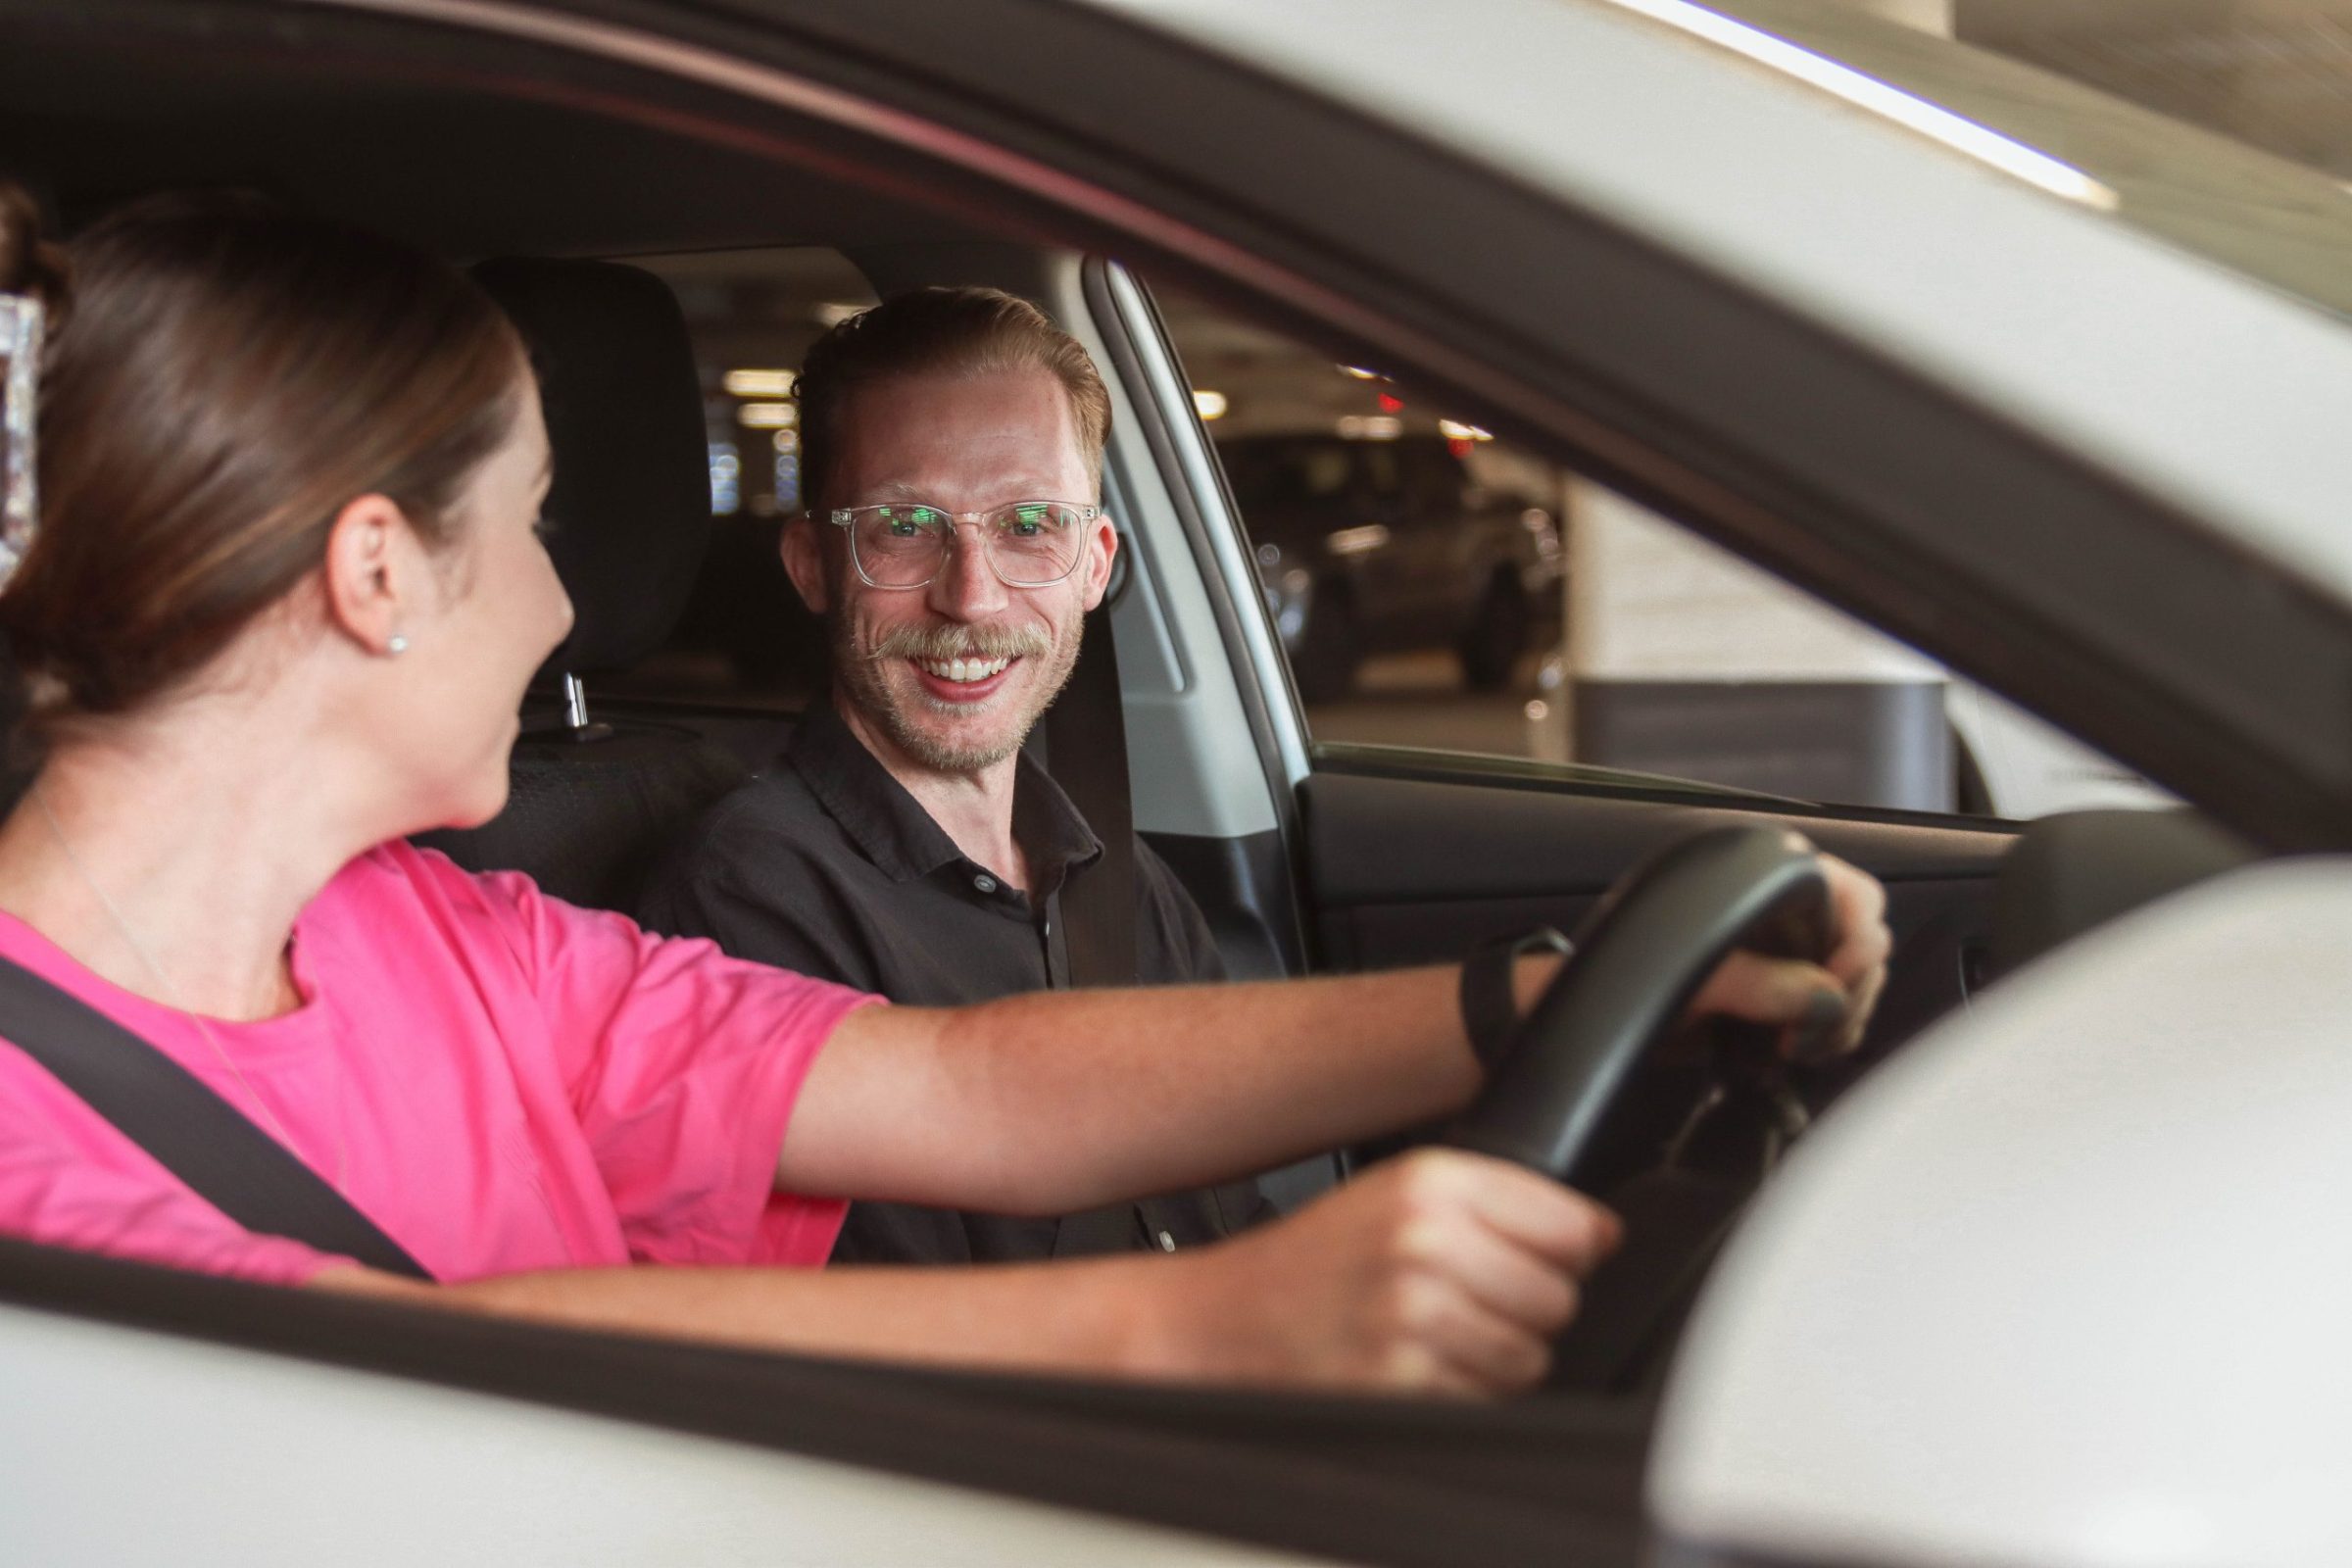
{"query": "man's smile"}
pixel 962 670
pixel 962 682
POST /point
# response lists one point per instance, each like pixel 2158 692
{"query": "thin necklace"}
pixel 177 999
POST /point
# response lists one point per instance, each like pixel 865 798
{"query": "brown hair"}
pixel 957 331
pixel 233 374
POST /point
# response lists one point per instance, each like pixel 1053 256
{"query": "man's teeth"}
pixel 964 670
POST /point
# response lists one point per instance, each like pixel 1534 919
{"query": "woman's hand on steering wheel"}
pixel 1434 1272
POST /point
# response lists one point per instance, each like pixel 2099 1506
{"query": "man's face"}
pixel 919 667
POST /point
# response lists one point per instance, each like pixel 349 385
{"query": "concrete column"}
pixel 1683 660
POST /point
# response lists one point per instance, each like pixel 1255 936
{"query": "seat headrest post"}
pixel 577 723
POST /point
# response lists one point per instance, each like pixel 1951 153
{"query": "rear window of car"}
pixel 745 639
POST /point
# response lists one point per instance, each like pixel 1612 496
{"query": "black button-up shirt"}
pixel 825 865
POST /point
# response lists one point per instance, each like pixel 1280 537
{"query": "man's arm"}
pixel 1048 1102
pixel 1055 1102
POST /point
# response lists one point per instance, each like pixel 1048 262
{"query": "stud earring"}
pixel 396 645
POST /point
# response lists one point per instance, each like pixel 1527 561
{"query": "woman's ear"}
pixel 374 572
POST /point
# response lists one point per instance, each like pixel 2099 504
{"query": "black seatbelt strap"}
pixel 1085 751
pixel 190 1131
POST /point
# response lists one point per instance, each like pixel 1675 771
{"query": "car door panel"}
pixel 1419 870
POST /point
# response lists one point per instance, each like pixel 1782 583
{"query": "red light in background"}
pixel 1390 402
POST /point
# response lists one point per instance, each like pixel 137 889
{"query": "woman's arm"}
pixel 1438 1272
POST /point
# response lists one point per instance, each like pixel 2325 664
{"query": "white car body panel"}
pixel 125 1447
pixel 2067 1281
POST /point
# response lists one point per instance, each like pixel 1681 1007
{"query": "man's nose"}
pixel 966 587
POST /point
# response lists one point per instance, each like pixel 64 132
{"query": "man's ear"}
pixel 804 554
pixel 1101 547
pixel 375 572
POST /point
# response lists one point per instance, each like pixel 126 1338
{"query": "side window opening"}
pixel 1436 588
pixel 746 640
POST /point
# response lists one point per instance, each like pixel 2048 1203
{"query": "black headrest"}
pixel 631 502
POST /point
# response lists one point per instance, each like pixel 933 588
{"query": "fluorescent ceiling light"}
pixel 1357 541
pixel 2011 157
pixel 767 415
pixel 758 383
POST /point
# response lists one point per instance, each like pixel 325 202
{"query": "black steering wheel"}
pixel 1586 1092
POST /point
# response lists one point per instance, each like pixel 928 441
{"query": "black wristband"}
pixel 1489 1000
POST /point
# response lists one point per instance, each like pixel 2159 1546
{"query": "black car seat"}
pixel 593 800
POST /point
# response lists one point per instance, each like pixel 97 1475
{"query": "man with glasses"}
pixel 951 446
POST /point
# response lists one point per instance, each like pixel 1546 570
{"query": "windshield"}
pixel 2222 126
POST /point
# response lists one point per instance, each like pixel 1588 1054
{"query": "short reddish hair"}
pixel 930 331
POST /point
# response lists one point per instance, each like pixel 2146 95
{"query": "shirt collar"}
pixel 891 828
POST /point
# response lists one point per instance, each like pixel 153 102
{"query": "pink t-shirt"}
pixel 500 1080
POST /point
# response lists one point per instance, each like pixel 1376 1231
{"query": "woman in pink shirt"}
pixel 278 613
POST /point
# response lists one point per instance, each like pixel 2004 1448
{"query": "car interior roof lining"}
pixel 466 168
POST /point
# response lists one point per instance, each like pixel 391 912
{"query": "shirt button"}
pixel 985 883
pixel 1167 1243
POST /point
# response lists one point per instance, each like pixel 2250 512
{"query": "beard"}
pixel 862 670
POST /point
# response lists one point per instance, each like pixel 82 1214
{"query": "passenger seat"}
pixel 592 802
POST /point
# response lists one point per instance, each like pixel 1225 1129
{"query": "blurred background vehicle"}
pixel 1371 540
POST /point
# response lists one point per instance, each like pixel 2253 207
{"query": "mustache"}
pixel 959 642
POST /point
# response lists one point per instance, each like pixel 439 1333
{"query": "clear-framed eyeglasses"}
pixel 1027 544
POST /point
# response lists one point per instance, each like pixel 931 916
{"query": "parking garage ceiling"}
pixel 2273 74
